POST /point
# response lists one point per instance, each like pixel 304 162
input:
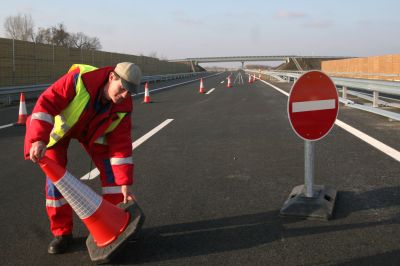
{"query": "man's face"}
pixel 116 92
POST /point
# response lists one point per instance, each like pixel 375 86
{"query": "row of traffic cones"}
pixel 23 114
pixel 252 79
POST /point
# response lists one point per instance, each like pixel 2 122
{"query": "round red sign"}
pixel 313 105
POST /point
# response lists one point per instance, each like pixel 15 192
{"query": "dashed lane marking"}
pixel 5 126
pixel 95 172
pixel 208 92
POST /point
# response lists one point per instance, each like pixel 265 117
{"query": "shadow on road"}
pixel 350 202
pixel 221 235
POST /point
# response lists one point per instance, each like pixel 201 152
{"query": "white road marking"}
pixel 174 85
pixel 313 105
pixel 208 92
pixel 95 172
pixel 395 154
pixel 222 81
pixel 5 126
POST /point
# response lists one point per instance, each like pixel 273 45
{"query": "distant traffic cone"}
pixel 254 77
pixel 146 94
pixel 250 80
pixel 22 115
pixel 108 224
pixel 201 90
pixel 229 83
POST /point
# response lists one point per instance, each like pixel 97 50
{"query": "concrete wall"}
pixel 386 67
pixel 27 63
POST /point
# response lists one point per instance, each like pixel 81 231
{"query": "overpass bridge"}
pixel 286 58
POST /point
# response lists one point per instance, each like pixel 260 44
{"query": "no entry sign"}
pixel 313 105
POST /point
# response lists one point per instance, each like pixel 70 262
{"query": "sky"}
pixel 180 29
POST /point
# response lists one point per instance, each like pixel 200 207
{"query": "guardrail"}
pixel 376 87
pixel 11 94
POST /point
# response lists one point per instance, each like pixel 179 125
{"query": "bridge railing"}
pixel 11 94
pixel 372 90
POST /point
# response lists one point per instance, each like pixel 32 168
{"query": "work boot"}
pixel 60 244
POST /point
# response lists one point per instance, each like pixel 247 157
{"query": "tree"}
pixel 20 27
pixel 44 36
pixel 82 41
pixel 60 36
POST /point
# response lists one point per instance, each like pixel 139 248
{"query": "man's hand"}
pixel 37 151
pixel 128 195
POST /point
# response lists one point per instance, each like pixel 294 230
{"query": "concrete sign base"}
pixel 320 206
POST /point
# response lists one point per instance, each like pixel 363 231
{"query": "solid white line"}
pixel 395 154
pixel 370 140
pixel 175 85
pixel 5 126
pixel 208 92
pixel 95 172
pixel 275 87
pixel 313 105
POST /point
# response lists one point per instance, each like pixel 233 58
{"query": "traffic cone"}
pixel 201 90
pixel 146 94
pixel 108 224
pixel 229 83
pixel 22 115
pixel 249 79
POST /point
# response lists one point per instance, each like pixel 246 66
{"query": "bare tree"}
pixel 20 27
pixel 44 36
pixel 94 44
pixel 81 40
pixel 60 36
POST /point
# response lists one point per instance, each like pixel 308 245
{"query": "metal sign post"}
pixel 309 167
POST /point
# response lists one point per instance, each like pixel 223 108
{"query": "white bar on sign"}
pixel 313 105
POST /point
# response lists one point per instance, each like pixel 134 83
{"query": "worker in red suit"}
pixel 92 105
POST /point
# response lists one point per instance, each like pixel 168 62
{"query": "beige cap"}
pixel 130 75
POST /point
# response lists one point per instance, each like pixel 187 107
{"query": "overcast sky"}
pixel 181 29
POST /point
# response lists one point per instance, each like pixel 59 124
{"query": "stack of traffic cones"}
pixel 22 115
pixel 146 94
pixel 229 83
pixel 109 225
pixel 201 90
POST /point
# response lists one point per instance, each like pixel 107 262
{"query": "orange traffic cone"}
pixel 108 224
pixel 22 115
pixel 201 90
pixel 229 83
pixel 146 94
pixel 250 79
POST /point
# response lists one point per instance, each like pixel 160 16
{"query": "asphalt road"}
pixel 212 182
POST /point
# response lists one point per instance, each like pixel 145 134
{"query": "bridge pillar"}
pixel 242 65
